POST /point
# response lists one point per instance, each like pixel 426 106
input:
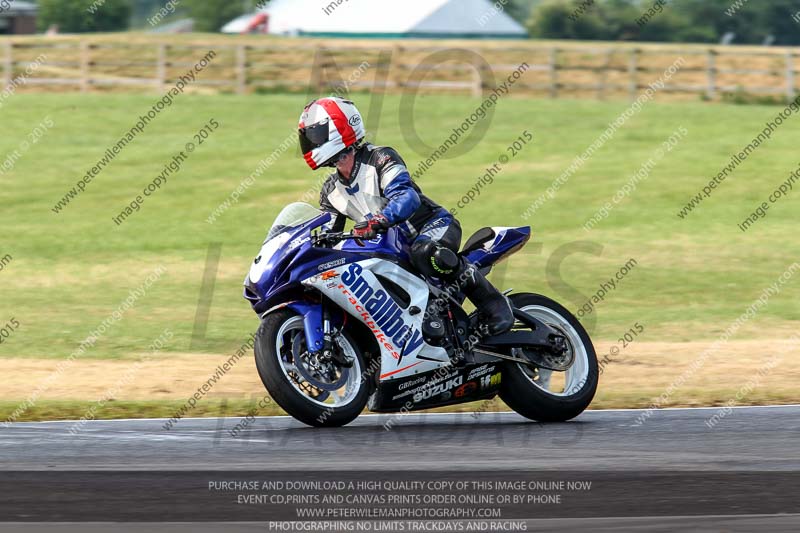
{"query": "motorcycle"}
pixel 347 323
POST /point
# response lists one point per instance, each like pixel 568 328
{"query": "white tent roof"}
pixel 18 7
pixel 239 24
pixel 386 17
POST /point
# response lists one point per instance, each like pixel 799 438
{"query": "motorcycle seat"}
pixel 478 239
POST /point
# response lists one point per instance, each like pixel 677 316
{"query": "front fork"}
pixel 318 326
pixel 313 327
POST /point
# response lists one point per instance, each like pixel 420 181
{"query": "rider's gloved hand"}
pixel 369 229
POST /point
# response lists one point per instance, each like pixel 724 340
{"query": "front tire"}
pixel 319 403
pixel 529 391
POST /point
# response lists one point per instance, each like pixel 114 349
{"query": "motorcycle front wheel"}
pixel 316 392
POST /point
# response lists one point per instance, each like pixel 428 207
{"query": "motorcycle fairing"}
pixel 285 261
pixel 437 389
pixel 397 325
pixel 391 245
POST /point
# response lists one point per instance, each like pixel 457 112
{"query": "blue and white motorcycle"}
pixel 347 323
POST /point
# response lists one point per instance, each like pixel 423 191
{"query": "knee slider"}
pixel 432 259
pixel 444 260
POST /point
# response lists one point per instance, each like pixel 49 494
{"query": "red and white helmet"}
pixel 327 127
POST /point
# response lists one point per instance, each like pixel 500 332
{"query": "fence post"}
pixel 554 73
pixel 320 75
pixel 8 65
pixel 477 82
pixel 241 68
pixel 399 68
pixel 601 89
pixel 711 74
pixel 633 71
pixel 161 66
pixel 84 59
pixel 790 75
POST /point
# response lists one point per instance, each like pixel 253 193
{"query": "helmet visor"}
pixel 313 136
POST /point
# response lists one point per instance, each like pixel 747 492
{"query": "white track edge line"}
pixel 417 414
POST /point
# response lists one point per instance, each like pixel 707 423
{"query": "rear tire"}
pixel 520 391
pixel 271 365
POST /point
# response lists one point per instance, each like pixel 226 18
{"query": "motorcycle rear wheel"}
pixel 532 392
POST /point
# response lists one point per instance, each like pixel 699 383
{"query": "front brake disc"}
pixel 301 363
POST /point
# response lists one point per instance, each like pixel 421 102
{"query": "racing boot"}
pixel 461 275
pixel 495 308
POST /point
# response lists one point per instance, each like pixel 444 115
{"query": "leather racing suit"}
pixel 381 184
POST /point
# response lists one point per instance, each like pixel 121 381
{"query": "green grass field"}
pixel 694 276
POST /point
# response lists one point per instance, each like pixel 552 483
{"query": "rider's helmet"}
pixel 328 127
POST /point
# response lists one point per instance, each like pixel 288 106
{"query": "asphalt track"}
pixel 750 438
pixel 671 450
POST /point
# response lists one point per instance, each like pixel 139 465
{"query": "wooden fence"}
pixel 600 71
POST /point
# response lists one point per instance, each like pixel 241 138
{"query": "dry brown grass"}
pixel 634 378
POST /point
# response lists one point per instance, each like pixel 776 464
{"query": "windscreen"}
pixel 292 216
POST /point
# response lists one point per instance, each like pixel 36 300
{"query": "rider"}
pixel 372 186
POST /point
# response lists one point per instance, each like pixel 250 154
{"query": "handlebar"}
pixel 331 238
pixel 334 237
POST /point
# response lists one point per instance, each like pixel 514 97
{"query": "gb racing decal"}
pixel 380 313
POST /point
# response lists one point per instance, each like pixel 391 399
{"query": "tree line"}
pixel 77 16
pixel 703 21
